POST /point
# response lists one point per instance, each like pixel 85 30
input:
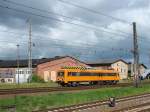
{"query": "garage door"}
pixel 46 76
pixel 53 76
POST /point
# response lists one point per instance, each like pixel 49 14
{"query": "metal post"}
pixel 30 50
pixel 136 57
pixel 18 58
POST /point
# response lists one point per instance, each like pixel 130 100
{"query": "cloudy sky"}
pixel 86 29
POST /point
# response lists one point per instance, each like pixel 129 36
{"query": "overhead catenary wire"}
pixel 20 4
pixel 94 11
pixel 61 42
pixel 35 35
pixel 99 13
pixel 12 2
pixel 55 18
pixel 62 21
pixel 69 3
pixel 38 37
pixel 50 12
pixel 72 46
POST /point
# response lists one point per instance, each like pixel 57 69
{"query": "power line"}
pixel 128 34
pixel 34 35
pixel 56 40
pixel 94 11
pixel 62 21
pixel 55 18
pixel 97 12
pixel 41 10
pixel 75 44
pixel 45 11
pixel 146 42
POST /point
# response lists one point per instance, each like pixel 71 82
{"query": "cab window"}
pixel 60 73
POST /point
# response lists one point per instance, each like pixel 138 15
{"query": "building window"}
pixel 9 80
pixel 3 80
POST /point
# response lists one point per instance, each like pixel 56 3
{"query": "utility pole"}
pixel 18 58
pixel 30 50
pixel 136 57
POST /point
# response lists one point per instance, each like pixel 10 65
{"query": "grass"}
pixel 29 103
pixel 27 85
pixel 49 84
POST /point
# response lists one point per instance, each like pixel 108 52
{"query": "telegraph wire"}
pixel 94 11
pixel 58 40
pixel 45 11
pixel 99 13
pixel 62 21
pixel 70 46
pixel 74 46
pixel 41 10
pixel 34 35
pixel 128 34
pixel 146 42
pixel 12 2
pixel 92 45
pixel 33 13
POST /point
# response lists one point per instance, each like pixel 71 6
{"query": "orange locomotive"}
pixel 73 76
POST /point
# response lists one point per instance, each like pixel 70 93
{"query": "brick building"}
pixel 46 68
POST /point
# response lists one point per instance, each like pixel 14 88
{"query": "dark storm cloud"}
pixel 105 45
pixel 14 19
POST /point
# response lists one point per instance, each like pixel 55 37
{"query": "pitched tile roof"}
pixel 24 63
pixel 105 62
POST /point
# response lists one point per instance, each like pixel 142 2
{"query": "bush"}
pixel 36 78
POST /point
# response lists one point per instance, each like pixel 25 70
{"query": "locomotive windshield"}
pixel 60 73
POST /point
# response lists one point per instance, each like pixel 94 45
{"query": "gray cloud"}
pixel 88 44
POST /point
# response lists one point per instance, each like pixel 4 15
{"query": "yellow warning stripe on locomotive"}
pixel 74 67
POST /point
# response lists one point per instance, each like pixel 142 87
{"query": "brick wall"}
pixel 56 65
pixel 7 70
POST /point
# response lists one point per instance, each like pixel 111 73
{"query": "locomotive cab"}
pixel 60 77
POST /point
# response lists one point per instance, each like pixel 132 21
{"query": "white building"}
pixel 142 69
pixel 119 65
pixel 22 75
pixel 6 78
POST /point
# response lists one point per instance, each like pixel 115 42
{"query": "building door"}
pixel 46 76
pixel 53 76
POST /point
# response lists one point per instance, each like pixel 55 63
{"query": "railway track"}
pixel 88 106
pixel 54 89
pixel 138 108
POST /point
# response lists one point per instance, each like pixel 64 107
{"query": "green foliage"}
pixel 27 85
pixel 36 78
pixel 50 100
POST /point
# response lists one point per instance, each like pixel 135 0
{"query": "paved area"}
pixel 119 106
